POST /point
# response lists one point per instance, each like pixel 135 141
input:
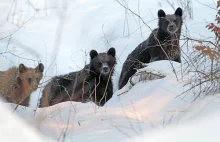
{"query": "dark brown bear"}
pixel 162 44
pixel 94 82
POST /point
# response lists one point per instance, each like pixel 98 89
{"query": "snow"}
pixel 152 71
pixel 61 33
pixel 15 129
pixel 203 130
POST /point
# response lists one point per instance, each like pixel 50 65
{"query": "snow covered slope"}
pixel 148 106
pixel 203 130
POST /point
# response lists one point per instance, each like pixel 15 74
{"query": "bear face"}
pixel 171 23
pixel 30 77
pixel 102 63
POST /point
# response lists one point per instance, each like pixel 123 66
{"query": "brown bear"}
pixel 93 82
pixel 17 83
pixel 162 44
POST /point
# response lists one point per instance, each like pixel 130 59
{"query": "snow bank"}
pixel 152 71
pixel 202 130
pixel 13 128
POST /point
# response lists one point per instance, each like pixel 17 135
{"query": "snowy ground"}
pixel 61 33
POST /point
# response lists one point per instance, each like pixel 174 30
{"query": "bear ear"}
pixel 111 51
pixel 161 13
pixel 21 68
pixel 179 12
pixel 40 67
pixel 93 54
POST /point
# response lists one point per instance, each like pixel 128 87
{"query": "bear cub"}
pixel 162 44
pixel 17 83
pixel 92 83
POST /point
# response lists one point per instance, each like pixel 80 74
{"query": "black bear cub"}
pixel 93 82
pixel 162 44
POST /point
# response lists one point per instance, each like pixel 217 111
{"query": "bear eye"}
pixel 99 63
pixel 30 80
pixel 108 62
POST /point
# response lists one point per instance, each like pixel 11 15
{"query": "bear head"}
pixel 29 78
pixel 170 23
pixel 102 63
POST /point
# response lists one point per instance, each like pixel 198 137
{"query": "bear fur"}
pixel 164 39
pixel 17 83
pixel 93 82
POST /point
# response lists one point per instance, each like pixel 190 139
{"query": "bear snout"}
pixel 105 68
pixel 172 28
